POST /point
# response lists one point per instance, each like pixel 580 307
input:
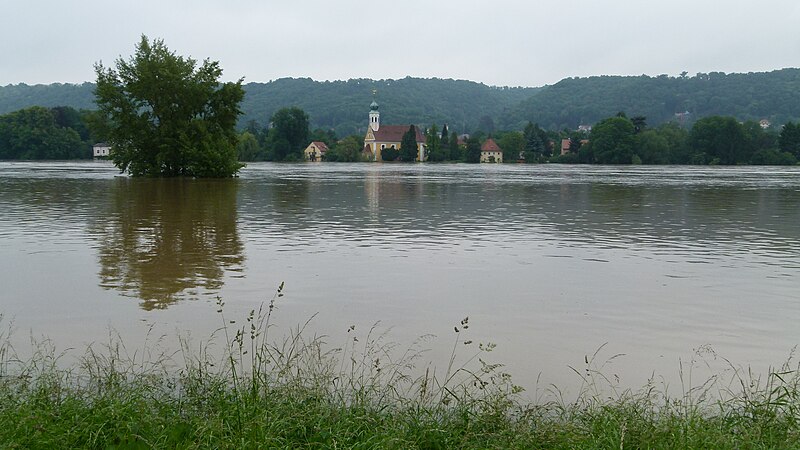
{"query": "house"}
pixel 490 152
pixel 380 136
pixel 315 151
pixel 101 150
pixel 565 146
pixel 764 124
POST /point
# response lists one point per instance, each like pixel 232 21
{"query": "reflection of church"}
pixel 387 136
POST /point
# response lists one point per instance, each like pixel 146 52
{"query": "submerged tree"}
pixel 167 117
pixel 289 134
pixel 408 145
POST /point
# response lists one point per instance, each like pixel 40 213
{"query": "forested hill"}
pixel 573 101
pixel 18 96
pixel 341 105
pixel 344 105
pixel 466 106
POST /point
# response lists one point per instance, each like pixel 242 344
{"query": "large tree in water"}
pixel 166 116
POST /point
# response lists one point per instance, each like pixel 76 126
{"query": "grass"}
pixel 298 391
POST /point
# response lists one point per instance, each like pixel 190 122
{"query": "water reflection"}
pixel 162 240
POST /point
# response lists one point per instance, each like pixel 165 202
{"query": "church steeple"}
pixel 374 114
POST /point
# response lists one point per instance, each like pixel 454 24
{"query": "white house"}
pixel 101 150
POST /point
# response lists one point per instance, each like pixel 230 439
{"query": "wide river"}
pixel 665 265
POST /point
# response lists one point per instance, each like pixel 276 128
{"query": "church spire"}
pixel 374 114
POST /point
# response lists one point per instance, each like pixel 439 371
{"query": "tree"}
pixel 289 134
pixel 168 117
pixel 408 145
pixel 248 149
pixel 789 139
pixel 33 133
pixel 653 148
pixel 720 139
pixel 346 150
pixel 513 144
pixel 612 140
pixel 639 123
pixel 454 149
pixel 390 153
pixel 433 145
pixel 445 140
pixel 473 153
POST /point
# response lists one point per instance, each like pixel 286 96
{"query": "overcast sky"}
pixel 498 42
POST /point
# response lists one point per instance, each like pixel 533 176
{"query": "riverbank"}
pixel 298 391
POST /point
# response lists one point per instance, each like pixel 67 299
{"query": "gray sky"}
pixel 498 42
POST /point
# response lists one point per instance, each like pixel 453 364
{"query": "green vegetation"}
pixel 467 106
pixel 472 154
pixel 300 392
pixel 45 133
pixel 167 117
pixel 346 150
pixel 712 140
pixel 574 101
pixel 408 145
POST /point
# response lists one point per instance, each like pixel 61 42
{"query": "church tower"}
pixel 374 116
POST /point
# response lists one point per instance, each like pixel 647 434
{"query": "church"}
pixel 387 136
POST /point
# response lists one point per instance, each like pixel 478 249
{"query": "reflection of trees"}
pixel 164 238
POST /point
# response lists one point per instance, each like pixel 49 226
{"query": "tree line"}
pixel 165 115
pixel 714 140
pixel 468 106
pixel 47 133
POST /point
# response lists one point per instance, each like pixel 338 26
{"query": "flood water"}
pixel 549 262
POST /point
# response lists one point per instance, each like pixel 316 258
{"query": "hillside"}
pixel 341 105
pixel 574 101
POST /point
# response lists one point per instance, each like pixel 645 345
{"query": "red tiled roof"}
pixel 321 146
pixel 490 146
pixel 394 133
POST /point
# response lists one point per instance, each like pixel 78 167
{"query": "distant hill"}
pixel 340 105
pixel 573 101
pixel 18 96
pixel 466 105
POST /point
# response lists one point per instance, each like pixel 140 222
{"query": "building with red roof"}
pixel 315 151
pixel 380 136
pixel 491 152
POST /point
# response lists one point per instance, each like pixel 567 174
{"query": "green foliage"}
pixel 455 151
pixel 612 141
pixel 288 135
pixel 298 392
pixel 574 101
pixel 536 148
pixel 43 133
pixel 326 136
pixel 248 148
pixel 347 150
pixel 652 148
pixel 338 105
pixel 433 144
pixel 390 154
pixel 168 117
pixel 23 96
pixel 473 151
pixel 772 157
pixel 408 145
pixel 789 139
pixel 512 144
pixel 720 140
